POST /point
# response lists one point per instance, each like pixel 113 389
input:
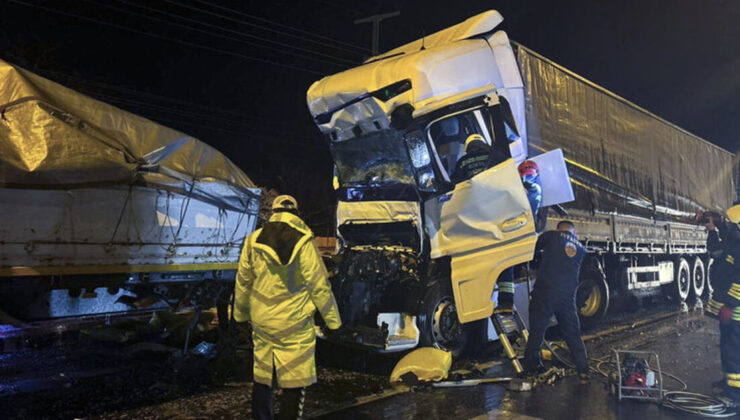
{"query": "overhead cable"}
pixel 248 35
pixel 175 40
pixel 282 25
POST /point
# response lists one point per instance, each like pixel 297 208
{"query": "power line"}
pixel 267 28
pixel 186 43
pixel 179 113
pixel 147 95
pixel 303 31
pixel 282 44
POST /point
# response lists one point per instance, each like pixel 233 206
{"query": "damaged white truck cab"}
pixel 420 254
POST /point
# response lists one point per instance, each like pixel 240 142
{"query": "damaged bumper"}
pixel 394 332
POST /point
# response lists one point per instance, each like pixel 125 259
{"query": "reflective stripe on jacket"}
pixel 280 283
pixel 725 275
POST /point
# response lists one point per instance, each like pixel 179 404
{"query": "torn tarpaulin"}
pixel 52 137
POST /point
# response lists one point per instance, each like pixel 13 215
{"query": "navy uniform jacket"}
pixel 725 275
pixel 560 262
pixel 475 161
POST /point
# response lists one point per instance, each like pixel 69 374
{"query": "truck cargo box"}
pixel 93 194
pixel 621 157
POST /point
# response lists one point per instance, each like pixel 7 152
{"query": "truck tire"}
pixel 708 289
pixel 438 323
pixel 592 295
pixel 698 279
pixel 680 289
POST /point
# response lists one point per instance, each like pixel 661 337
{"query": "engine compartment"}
pixel 369 281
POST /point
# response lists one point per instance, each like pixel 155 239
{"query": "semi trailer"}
pixel 106 212
pixel 419 255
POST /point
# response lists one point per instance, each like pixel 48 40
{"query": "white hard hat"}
pixel 284 202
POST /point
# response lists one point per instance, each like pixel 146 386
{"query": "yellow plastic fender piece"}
pixel 427 363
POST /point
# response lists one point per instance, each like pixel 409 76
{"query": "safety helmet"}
pixel 284 202
pixel 528 167
pixel 473 138
pixel 733 213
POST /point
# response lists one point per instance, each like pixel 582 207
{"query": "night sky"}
pixel 235 73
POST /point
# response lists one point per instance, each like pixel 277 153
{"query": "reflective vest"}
pixel 280 284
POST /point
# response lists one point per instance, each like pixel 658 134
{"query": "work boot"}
pixel 584 378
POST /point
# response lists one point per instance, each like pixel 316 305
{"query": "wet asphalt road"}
pixel 78 377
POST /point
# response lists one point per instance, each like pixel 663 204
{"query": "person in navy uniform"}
pixel 555 293
pixel 723 245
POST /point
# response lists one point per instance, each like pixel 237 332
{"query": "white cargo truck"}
pixel 420 255
pixel 104 211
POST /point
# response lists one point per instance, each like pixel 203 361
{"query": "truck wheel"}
pixel 592 295
pixel 708 289
pixel 698 278
pixel 681 285
pixel 438 322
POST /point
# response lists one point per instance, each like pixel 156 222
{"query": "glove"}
pixel 328 332
pixel 725 314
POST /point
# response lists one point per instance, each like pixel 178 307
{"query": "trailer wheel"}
pixel 438 322
pixel 681 286
pixel 592 295
pixel 698 278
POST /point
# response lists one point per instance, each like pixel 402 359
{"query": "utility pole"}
pixel 375 20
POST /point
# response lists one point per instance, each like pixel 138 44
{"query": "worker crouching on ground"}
pixel 555 293
pixel 280 283
pixel 723 244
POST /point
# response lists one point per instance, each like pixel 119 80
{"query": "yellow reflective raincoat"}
pixel 280 283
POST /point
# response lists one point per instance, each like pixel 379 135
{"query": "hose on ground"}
pixel 697 404
pixel 684 401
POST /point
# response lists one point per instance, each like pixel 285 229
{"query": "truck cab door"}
pixel 485 224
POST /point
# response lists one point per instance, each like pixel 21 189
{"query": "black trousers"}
pixel 506 287
pixel 291 403
pixel 730 354
pixel 543 306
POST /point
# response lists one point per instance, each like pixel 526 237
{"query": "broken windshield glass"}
pixel 377 158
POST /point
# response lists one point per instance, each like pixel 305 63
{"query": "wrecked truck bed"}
pixel 99 203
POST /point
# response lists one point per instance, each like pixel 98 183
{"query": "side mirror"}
pixel 402 116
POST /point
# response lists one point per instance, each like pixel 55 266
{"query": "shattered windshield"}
pixel 377 158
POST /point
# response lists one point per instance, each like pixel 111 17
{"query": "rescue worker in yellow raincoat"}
pixel 280 284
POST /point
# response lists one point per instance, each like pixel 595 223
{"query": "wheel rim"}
pixel 683 280
pixel 593 302
pixel 446 328
pixel 699 278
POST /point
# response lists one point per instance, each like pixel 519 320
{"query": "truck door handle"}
pixel 514 223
